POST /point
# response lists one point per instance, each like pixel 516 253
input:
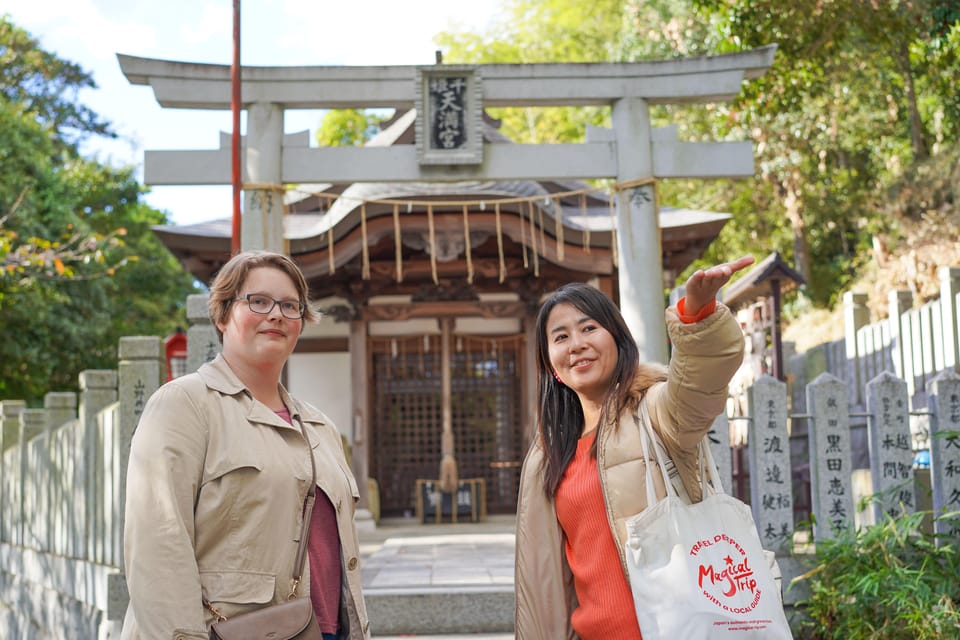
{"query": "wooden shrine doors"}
pixel 406 425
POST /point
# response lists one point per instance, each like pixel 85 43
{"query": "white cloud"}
pixel 214 23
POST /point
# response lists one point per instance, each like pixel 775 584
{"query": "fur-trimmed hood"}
pixel 648 374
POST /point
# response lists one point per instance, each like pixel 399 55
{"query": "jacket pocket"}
pixel 238 587
pixel 221 462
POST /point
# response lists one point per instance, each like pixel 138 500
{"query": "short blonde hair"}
pixel 231 277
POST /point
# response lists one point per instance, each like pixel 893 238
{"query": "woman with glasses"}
pixel 219 469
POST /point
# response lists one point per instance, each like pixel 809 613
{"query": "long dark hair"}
pixel 560 415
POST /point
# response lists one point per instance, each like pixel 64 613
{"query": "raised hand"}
pixel 702 287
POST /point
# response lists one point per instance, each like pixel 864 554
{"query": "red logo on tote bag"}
pixel 724 573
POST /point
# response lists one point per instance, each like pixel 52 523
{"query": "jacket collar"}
pixel 218 375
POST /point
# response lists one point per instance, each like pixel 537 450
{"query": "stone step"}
pixel 440 610
pixel 441 584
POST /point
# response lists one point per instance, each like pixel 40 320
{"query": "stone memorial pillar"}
pixel 891 453
pixel 719 438
pixel 98 390
pixel 202 342
pixel 771 483
pixel 10 487
pixel 830 473
pixel 943 398
pixel 139 374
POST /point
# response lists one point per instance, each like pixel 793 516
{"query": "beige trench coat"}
pixel 682 401
pixel 215 490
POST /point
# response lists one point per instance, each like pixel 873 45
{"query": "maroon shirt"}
pixel 323 549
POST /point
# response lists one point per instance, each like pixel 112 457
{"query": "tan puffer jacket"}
pixel 682 401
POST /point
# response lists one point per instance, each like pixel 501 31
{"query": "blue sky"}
pixel 273 32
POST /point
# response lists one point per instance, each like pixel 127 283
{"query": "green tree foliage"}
pixel 530 31
pixel 79 263
pixel 891 580
pixel 45 86
pixel 851 100
pixel 857 93
pixel 347 127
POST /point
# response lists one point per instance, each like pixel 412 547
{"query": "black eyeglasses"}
pixel 262 304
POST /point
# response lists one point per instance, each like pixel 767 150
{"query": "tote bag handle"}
pixel 673 485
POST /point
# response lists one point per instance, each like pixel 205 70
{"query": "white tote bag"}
pixel 698 571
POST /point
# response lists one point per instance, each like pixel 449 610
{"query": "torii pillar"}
pixel 638 230
pixel 261 225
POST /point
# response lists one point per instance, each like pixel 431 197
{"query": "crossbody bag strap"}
pixel 308 503
pixel 307 517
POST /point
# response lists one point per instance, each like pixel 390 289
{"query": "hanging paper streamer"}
pixel 613 228
pixel 533 237
pixel 330 248
pixel 433 245
pixel 543 232
pixel 503 263
pixel 365 250
pixel 586 223
pixel 523 236
pixel 398 244
pixel 466 242
pixel 557 209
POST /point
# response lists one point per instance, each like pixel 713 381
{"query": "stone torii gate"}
pixel 449 101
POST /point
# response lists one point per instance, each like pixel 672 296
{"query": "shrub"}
pixel 890 581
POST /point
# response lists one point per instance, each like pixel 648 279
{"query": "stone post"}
pixel 830 473
pixel 139 374
pixel 202 342
pixel 943 399
pixel 771 479
pixel 899 303
pixel 891 453
pixel 32 478
pixel 60 408
pixel 949 294
pixel 638 231
pixel 719 438
pixel 855 316
pixel 262 224
pixel 98 389
pixel 10 486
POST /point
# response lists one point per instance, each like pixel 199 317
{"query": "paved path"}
pixel 403 557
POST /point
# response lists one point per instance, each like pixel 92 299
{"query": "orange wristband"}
pixel 705 311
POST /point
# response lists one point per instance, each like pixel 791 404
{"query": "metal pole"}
pixel 235 139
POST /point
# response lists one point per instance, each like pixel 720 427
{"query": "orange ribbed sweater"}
pixel 605 610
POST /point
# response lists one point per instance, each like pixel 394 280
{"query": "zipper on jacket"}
pixel 601 451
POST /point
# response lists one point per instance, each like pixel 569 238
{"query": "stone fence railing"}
pixel 63 471
pixel 913 344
